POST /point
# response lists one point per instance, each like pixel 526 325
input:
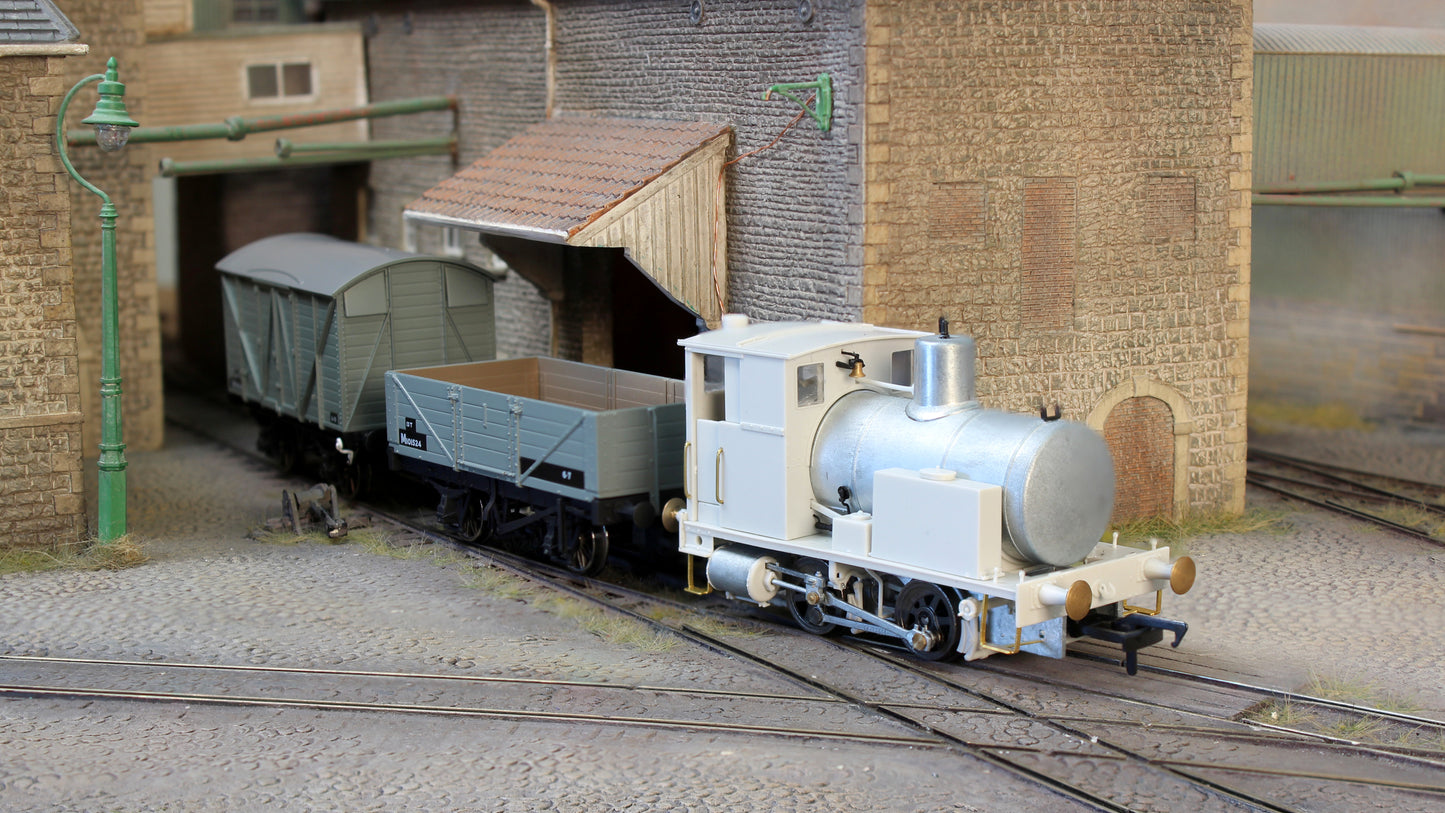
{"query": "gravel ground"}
pixel 1328 599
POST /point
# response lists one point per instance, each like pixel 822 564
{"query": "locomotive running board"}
pixel 1133 631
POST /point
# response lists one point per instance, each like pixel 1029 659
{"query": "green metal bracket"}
pixel 822 111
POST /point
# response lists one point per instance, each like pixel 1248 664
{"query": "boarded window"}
pixel 1049 253
pixel 956 214
pixel 1140 434
pixel 1169 210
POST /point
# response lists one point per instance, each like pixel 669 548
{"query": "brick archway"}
pixel 1147 425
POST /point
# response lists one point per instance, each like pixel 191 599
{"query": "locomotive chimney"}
pixel 942 375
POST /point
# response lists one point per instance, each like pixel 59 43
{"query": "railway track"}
pixel 1406 506
pixel 1103 751
pixel 1101 760
pixel 518 699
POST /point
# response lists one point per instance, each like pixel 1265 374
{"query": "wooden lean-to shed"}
pixel 312 323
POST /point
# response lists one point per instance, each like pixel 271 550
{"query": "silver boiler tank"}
pixel 1057 476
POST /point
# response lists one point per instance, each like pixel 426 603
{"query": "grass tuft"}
pixel 1174 533
pixel 1360 693
pixel 119 554
pixel 1266 417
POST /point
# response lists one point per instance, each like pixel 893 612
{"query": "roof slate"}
pixel 558 176
pixel 31 21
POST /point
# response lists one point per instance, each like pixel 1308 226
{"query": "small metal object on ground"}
pixel 317 504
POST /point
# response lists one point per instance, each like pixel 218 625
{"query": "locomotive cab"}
pixel 846 472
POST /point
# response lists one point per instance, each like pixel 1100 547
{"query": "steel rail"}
pixel 1279 694
pixel 1366 488
pixel 418 676
pixel 1317 464
pixel 1435 790
pixel 23 691
pixel 1344 509
pixel 976 751
pixel 1220 790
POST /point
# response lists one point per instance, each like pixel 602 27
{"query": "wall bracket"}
pixel 822 110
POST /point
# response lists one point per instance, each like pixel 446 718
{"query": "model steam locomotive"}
pixel 843 471
pixel 848 473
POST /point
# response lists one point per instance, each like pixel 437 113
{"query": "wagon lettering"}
pixel 408 436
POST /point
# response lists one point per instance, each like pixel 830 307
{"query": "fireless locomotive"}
pixel 847 473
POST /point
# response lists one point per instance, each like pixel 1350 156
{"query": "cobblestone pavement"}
pixel 210 595
pixel 1330 598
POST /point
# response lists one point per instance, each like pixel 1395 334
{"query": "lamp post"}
pixel 112 130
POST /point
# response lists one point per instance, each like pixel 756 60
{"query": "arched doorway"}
pixel 1140 434
pixel 1147 425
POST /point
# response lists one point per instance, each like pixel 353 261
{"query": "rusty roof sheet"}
pixel 556 177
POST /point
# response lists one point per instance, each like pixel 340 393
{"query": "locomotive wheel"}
pixel 589 550
pixel 810 617
pixel 926 606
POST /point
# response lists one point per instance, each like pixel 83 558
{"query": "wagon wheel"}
pixel 589 549
pixel 285 454
pixel 354 481
pixel 479 520
pixel 810 617
pixel 927 607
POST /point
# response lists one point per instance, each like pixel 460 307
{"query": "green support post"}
pixel 112 125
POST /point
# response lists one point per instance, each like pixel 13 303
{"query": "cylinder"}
pixel 1057 476
pixel 741 571
pixel 942 376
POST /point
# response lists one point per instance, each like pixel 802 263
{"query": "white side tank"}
pixel 1057 476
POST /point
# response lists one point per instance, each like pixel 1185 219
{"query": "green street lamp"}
pixel 112 130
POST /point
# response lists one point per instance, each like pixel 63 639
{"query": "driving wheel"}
pixel 928 607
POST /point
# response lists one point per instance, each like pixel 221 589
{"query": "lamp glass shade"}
pixel 111 137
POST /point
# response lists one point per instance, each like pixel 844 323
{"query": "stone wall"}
pixel 115 28
pixel 41 502
pixel 794 211
pixel 1069 182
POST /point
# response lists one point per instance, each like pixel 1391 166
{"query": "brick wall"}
pixel 1144 106
pixel 116 28
pixel 41 501
pixel 1140 434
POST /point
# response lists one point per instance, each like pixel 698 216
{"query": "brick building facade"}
pixel 41 501
pixel 1101 254
pixel 1069 182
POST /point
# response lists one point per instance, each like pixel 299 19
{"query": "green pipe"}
pixel 285 147
pixel 175 169
pixel 1376 201
pixel 1400 181
pixel 238 127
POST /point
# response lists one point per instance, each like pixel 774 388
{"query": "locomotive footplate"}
pixel 1133 632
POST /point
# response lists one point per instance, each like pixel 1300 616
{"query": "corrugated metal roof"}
pixel 1289 38
pixel 32 21
pixel 1348 115
pixel 315 263
pixel 558 176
